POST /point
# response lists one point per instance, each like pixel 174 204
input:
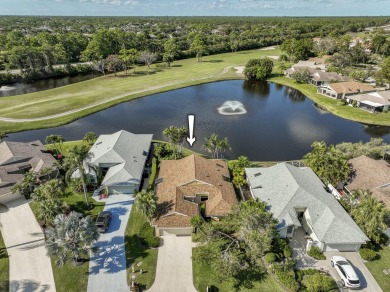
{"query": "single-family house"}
pixel 320 60
pixel 191 186
pixel 372 101
pixel 121 158
pixel 370 174
pixel 320 78
pixel 341 90
pixel 301 65
pixel 298 199
pixel 17 158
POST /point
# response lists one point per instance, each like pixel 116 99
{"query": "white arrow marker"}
pixel 191 139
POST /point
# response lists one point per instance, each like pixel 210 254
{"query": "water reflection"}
pixel 376 131
pixel 294 95
pixel 44 84
pixel 261 88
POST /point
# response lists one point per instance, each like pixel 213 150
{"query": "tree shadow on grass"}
pixel 134 249
pixel 176 66
pixel 246 278
pixel 214 61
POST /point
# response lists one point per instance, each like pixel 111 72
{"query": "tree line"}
pixel 35 44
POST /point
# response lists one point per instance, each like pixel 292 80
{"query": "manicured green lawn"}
pixel 204 276
pixel 376 268
pixel 136 252
pixel 4 266
pixel 344 111
pixel 183 73
pixel 70 277
pixel 65 146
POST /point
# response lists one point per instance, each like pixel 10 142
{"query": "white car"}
pixel 346 272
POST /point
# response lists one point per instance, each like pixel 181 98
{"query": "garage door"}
pixel 121 190
pixel 342 247
pixel 175 231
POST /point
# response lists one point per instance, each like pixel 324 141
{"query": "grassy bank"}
pixel 343 111
pixel 70 277
pixel 183 73
pixel 4 266
pixel 136 252
pixel 376 268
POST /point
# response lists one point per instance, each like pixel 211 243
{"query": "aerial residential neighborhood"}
pixel 210 146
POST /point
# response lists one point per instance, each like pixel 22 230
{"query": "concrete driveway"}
pixel 30 267
pixel 367 280
pixel 174 265
pixel 107 267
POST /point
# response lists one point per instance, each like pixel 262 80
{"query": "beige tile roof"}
pixel 188 177
pixel 373 175
pixel 16 155
pixel 380 98
pixel 350 87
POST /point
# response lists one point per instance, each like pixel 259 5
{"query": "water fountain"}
pixel 232 107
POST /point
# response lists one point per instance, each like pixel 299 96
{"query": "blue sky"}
pixel 196 7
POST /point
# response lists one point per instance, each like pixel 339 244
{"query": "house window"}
pixel 204 198
pixel 290 229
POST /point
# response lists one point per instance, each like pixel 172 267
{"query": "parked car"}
pixel 103 221
pixel 346 272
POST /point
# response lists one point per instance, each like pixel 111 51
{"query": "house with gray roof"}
pixel 121 157
pixel 372 102
pixel 298 199
pixel 16 159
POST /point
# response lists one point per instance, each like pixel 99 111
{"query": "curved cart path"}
pixel 30 267
pixel 12 120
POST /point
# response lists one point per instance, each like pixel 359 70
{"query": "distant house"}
pixel 301 65
pixel 343 89
pixel 121 158
pixel 191 186
pixel 320 78
pixel 372 102
pixel 371 174
pixel 298 199
pixel 16 159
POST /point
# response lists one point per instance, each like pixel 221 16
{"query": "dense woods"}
pixel 35 44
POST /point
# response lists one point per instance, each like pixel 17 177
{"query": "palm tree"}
pixel 222 146
pixel 27 185
pixel 48 197
pixel 3 136
pixel 70 235
pixel 56 140
pixel 77 163
pixel 370 215
pixel 90 138
pixel 145 203
pixel 175 136
pixel 211 144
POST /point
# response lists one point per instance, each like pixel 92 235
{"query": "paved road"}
pixel 369 284
pixel 30 267
pixel 107 268
pixel 174 265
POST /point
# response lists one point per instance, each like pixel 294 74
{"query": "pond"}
pixel 44 84
pixel 274 123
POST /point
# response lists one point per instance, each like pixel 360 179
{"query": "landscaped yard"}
pixel 136 252
pixel 70 277
pixel 4 266
pixel 376 268
pixel 65 146
pixel 333 105
pixel 204 276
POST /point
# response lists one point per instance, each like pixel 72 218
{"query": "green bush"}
pixel 319 282
pixel 287 251
pixel 304 272
pixel 279 245
pixel 368 254
pixel 342 102
pixel 316 253
pixel 270 257
pixel 286 277
pixel 147 236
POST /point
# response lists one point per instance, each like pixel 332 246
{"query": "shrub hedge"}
pixel 147 236
pixel 316 253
